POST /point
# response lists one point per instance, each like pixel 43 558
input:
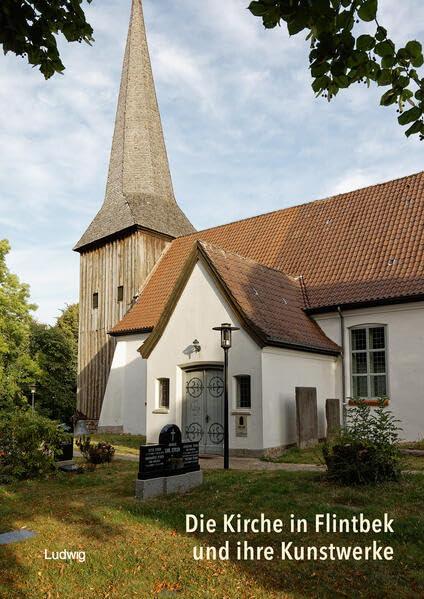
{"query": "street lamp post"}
pixel 33 389
pixel 226 333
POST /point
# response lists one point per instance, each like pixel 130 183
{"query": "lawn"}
pixel 414 444
pixel 313 455
pixel 141 550
pixel 122 443
pixel 294 455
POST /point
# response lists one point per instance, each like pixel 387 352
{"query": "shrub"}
pixel 96 453
pixel 366 452
pixel 28 444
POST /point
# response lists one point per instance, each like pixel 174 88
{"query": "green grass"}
pixel 410 462
pixel 313 455
pixel 122 443
pixel 135 549
pixel 294 455
pixel 414 445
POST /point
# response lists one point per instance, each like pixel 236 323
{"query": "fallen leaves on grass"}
pixel 173 587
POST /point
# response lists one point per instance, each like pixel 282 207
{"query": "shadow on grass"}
pixel 280 494
pixel 94 505
pixel 69 499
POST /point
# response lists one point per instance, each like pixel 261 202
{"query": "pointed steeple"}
pixel 139 191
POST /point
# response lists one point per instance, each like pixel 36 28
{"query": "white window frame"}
pixel 368 351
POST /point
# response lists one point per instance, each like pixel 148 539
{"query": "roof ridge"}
pixel 311 202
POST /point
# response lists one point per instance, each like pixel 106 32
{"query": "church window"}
pixel 120 293
pixel 243 391
pixel 164 393
pixel 95 301
pixel 369 363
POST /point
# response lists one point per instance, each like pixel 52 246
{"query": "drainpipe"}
pixel 342 337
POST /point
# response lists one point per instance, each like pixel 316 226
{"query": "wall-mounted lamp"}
pixel 196 346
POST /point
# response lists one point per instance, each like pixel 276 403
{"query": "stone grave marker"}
pixel 15 536
pixel 332 414
pixel 170 466
pixel 306 416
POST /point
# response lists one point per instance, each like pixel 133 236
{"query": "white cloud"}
pixel 52 272
pixel 190 76
pixel 244 132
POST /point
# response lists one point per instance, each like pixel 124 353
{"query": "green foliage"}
pixel 33 352
pixel 69 321
pixel 96 453
pixel 28 444
pixel 367 450
pixel 29 28
pixel 339 57
pixel 56 350
pixel 17 367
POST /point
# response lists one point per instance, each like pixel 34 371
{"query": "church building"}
pixel 328 294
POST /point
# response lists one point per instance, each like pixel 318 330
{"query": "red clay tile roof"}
pixel 357 247
pixel 270 301
pixel 268 304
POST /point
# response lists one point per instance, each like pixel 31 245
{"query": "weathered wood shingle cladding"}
pixel 138 218
pixel 125 262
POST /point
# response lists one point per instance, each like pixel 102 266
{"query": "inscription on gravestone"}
pixel 170 456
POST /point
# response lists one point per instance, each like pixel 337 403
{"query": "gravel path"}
pixel 216 463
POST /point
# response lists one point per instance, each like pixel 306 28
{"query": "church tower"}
pixel 138 219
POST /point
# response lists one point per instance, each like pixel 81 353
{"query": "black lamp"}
pixel 226 338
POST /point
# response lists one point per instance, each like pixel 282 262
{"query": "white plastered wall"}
pixel 200 308
pixel 405 355
pixel 282 371
pixel 124 403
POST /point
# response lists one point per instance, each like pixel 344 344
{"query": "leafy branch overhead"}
pixel 29 28
pixel 341 55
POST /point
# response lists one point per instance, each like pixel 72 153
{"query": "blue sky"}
pixel 244 132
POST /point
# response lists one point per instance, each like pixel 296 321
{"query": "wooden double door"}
pixel 203 408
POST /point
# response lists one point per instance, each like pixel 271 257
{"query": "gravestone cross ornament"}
pixel 170 435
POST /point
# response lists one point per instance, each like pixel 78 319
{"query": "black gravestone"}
pixel 170 456
pixel 170 435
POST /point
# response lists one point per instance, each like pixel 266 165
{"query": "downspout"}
pixel 342 337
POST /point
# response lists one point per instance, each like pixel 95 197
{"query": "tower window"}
pixel 120 293
pixel 95 301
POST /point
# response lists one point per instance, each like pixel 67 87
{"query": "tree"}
pixel 29 28
pixel 56 350
pixel 69 322
pixel 17 368
pixel 341 55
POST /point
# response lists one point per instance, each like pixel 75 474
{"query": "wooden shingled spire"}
pixel 139 191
